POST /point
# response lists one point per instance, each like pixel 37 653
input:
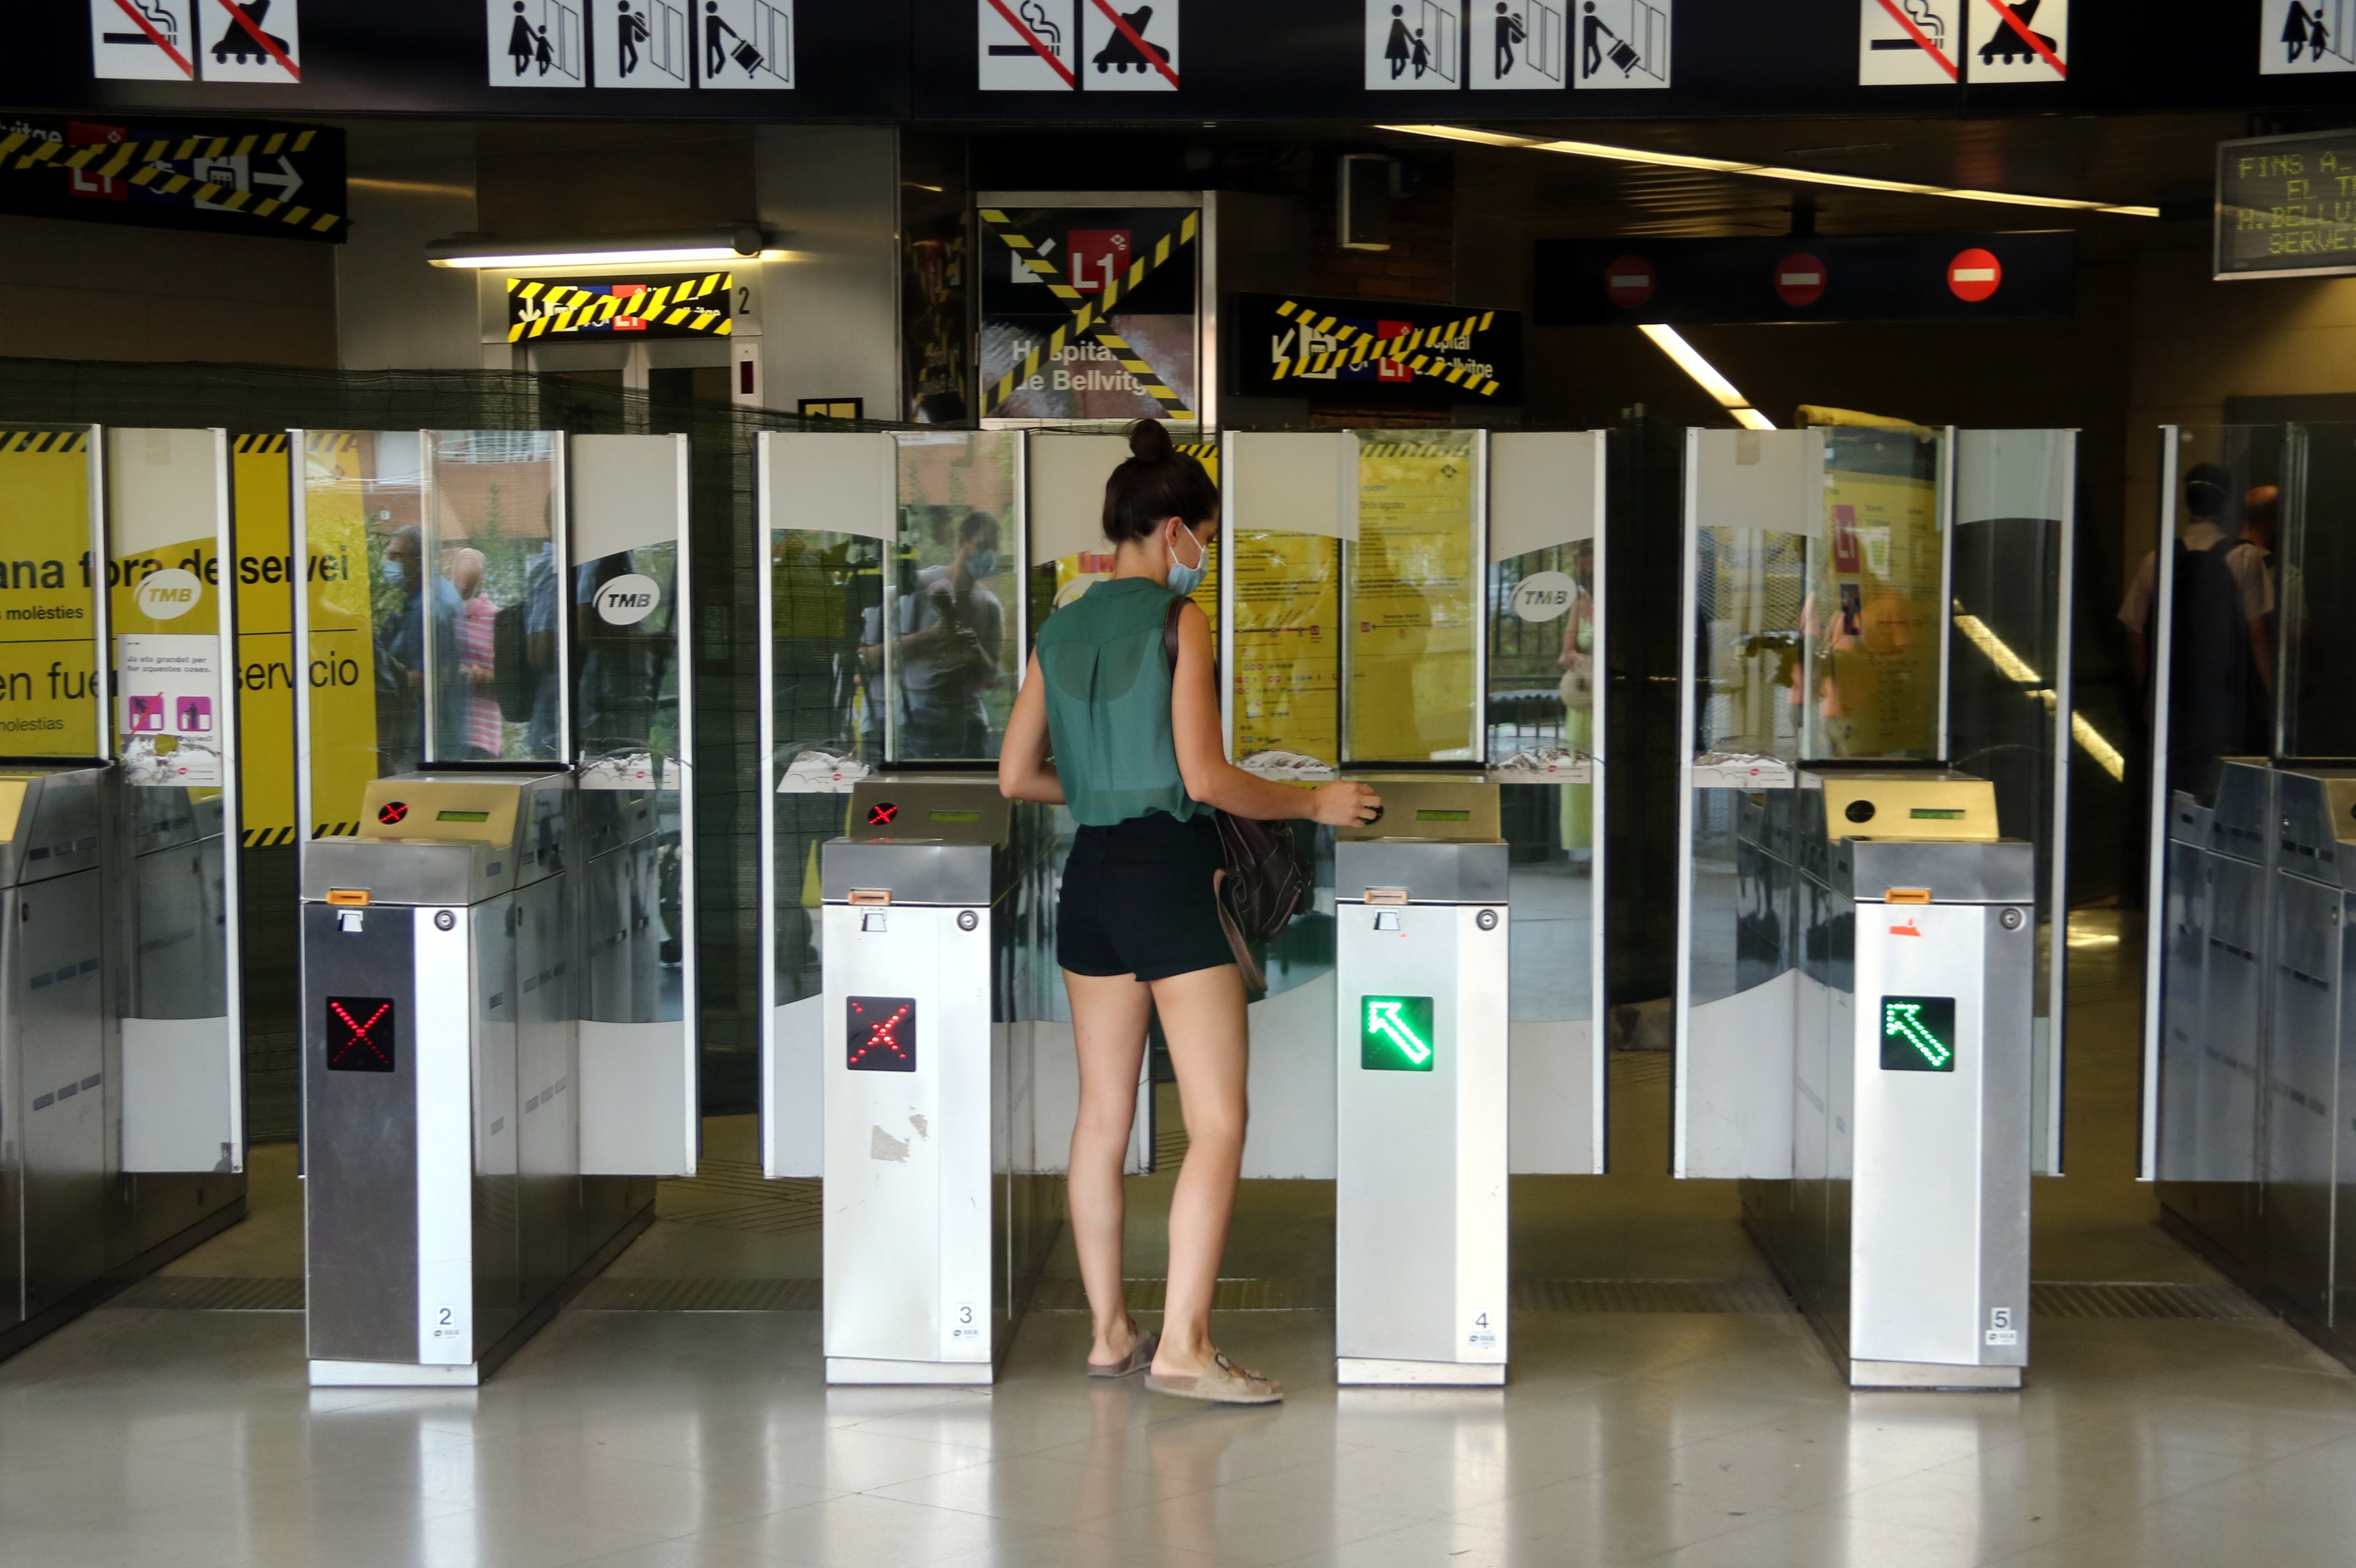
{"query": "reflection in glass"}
pixel 362 491
pixel 1875 617
pixel 1414 584
pixel 486 577
pixel 952 658
pixel 826 596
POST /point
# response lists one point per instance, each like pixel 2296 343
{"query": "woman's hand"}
pixel 1345 805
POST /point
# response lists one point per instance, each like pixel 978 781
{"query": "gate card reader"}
pixel 1904 1232
pixel 918 1286
pixel 446 1211
pixel 1420 1193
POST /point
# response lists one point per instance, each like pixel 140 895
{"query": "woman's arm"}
pixel 1023 771
pixel 1202 760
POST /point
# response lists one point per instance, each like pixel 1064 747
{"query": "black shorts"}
pixel 1136 899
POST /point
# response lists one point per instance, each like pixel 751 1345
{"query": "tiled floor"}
pixel 659 1440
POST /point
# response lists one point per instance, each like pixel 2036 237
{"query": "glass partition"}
pixel 1286 679
pixel 950 636
pixel 359 515
pixel 1837 616
pixel 1877 648
pixel 490 570
pixel 1412 599
pixel 2245 671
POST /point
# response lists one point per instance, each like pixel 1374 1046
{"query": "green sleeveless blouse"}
pixel 1108 693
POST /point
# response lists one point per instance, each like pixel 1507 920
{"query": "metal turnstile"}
pixel 441 956
pixel 1421 1104
pixel 932 1234
pixel 1903 1227
pixel 53 1029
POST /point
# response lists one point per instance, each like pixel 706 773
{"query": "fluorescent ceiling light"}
pixel 1761 171
pixel 742 243
pixel 1706 374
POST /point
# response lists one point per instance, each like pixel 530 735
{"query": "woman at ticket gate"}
pixel 1104 724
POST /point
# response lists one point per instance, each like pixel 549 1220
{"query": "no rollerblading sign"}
pixel 1076 46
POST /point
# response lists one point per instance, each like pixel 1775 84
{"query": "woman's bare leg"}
pixel 1202 1019
pixel 1108 1015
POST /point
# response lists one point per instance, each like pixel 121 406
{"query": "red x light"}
pixel 881 813
pixel 879 1034
pixel 391 812
pixel 360 1034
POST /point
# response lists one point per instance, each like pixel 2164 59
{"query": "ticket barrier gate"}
pixel 442 957
pixel 1903 1227
pixel 931 1245
pixel 53 1131
pixel 1421 1104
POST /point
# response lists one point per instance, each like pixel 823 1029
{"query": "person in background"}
pixel 951 629
pixel 401 639
pixel 2221 675
pixel 484 737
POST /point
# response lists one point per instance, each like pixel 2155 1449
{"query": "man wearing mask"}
pixel 949 630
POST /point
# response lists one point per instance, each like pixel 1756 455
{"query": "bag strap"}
pixel 1178 603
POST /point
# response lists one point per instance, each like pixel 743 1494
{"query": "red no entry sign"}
pixel 1799 279
pixel 1974 274
pixel 1628 281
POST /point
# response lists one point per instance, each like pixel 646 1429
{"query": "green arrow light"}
pixel 1918 1033
pixel 1395 1035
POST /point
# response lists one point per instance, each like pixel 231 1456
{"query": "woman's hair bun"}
pixel 1157 483
pixel 1148 441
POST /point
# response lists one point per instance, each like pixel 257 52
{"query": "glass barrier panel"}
pixel 363 516
pixel 489 572
pixel 49 605
pixel 1057 580
pixel 1876 611
pixel 2314 505
pixel 1413 599
pixel 2222 611
pixel 2008 719
pixel 1543 641
pixel 947 631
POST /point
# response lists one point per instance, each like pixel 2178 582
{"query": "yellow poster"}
pixel 265 637
pixel 48 604
pixel 1414 600
pixel 1288 643
pixel 340 670
pixel 1874 619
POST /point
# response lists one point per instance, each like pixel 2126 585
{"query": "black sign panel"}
pixel 1373 352
pixel 2286 206
pixel 1813 277
pixel 1088 312
pixel 360 1034
pixel 1175 60
pixel 879 1034
pixel 270 179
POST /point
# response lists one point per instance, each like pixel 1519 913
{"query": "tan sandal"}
pixel 1222 1382
pixel 1140 1357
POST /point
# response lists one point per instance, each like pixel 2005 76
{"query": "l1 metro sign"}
pixel 1395 1034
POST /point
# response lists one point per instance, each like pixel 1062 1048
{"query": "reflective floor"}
pixel 620 1437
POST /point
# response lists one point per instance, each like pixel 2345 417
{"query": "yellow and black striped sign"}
pixel 49 441
pixel 674 307
pixel 1089 316
pixel 147 164
pixel 1418 351
pixel 267 838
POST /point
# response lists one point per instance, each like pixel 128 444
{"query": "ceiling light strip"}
pixel 1761 171
pixel 1707 376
